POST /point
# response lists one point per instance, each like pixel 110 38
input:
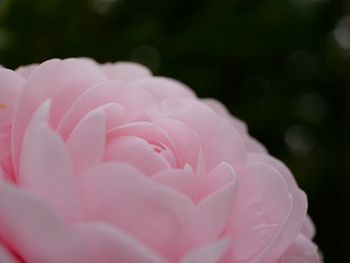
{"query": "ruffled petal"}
pixel 86 144
pixel 60 80
pixel 262 210
pixel 122 196
pixel 125 71
pixel 10 88
pixel 302 250
pixel 6 257
pixel 35 232
pixel 207 126
pixel 209 253
pixel 297 213
pixel 111 244
pixel 162 88
pixel 136 152
pixel 46 168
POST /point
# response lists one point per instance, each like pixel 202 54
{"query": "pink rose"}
pixel 106 163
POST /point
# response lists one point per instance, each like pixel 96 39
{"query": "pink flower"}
pixel 106 163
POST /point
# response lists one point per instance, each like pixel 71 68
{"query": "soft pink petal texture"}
pixel 95 97
pixel 10 88
pixel 162 88
pixel 127 96
pixel 251 144
pixel 183 180
pixel 35 232
pixel 146 130
pixel 185 141
pixel 111 244
pixel 207 126
pixel 222 111
pixel 125 71
pixel 308 228
pixel 222 175
pixel 301 251
pixel 209 253
pixel 5 256
pixel 60 80
pixel 136 152
pixel 25 71
pixel 46 167
pixel 258 219
pixel 299 207
pixel 109 189
pixel 86 143
pixel 214 212
pixel 106 163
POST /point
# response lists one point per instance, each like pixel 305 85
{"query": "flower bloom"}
pixel 107 163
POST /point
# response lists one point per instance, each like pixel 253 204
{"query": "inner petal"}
pixel 139 153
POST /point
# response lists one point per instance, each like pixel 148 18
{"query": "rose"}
pixel 106 163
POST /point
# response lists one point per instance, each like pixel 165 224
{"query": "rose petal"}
pixel 86 143
pixel 299 206
pixel 110 92
pixel 214 213
pixel 308 228
pixel 35 232
pixel 301 251
pixel 10 88
pixel 120 195
pixel 185 141
pixel 262 210
pixel 125 71
pixel 162 88
pixel 25 71
pixel 111 244
pixel 207 126
pixel 46 168
pixel 5 256
pixel 183 180
pixel 222 175
pixel 62 81
pixel 209 253
pixel 136 152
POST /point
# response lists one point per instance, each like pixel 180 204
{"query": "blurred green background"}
pixel 280 65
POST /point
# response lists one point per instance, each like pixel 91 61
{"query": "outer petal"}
pixel 46 168
pixel 302 250
pixel 10 89
pixel 299 207
pixel 110 92
pixel 62 81
pixel 209 253
pixel 35 232
pixel 125 71
pixel 214 212
pixel 121 196
pixel 183 180
pixel 162 88
pixel 25 71
pixel 86 143
pixel 111 244
pixel 308 228
pixel 262 210
pixel 5 256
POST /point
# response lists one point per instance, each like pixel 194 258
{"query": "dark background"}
pixel 280 65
